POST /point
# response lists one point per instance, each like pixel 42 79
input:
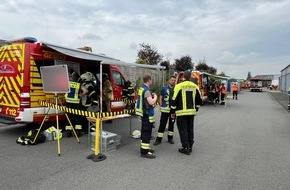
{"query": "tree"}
pixel 184 63
pixel 165 64
pixel 149 54
pixel 249 76
pixel 202 66
pixel 212 70
pixel 142 61
pixel 222 74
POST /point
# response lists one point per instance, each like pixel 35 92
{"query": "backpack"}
pixel 28 139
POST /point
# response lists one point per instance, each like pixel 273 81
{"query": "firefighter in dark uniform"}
pixel 73 102
pixel 89 97
pixel 164 100
pixel 128 95
pixel 145 109
pixel 185 104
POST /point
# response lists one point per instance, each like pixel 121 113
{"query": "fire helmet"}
pixel 136 134
pixel 87 76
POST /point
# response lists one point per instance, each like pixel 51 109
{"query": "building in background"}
pixel 268 80
pixel 284 79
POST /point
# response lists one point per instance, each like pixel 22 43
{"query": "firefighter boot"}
pixel 190 148
pixel 78 129
pixel 68 131
pixel 157 141
pixel 149 150
pixel 79 133
pixel 68 134
pixel 149 155
pixel 184 150
pixel 146 151
pixel 170 139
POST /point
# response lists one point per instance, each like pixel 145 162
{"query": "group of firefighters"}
pixel 178 102
pixel 217 93
pixel 84 95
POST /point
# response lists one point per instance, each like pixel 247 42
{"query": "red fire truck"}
pixel 21 84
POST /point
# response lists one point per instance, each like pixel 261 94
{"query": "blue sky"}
pixel 235 36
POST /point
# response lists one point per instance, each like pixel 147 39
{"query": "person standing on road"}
pixel 186 101
pixel 89 97
pixel 73 101
pixel 164 101
pixel 217 93
pixel 235 90
pixel 145 109
pixel 223 94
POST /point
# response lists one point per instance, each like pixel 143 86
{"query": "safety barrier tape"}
pixel 85 113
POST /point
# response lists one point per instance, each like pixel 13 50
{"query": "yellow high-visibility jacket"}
pixel 186 99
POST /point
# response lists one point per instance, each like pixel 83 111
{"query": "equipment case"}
pixel 109 141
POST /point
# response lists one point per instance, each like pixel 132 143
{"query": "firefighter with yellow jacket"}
pixel 73 102
pixel 145 109
pixel 185 103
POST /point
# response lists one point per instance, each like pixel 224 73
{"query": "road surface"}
pixel 242 145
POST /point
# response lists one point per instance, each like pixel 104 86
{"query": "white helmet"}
pixel 87 76
pixel 136 134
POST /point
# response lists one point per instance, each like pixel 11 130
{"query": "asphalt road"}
pixel 242 145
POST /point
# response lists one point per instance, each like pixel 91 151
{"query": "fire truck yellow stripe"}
pixel 5 56
pixel 8 97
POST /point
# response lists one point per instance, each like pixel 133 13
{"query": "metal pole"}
pixel 57 125
pixel 101 105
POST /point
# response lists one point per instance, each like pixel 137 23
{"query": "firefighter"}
pixel 73 102
pixel 144 108
pixel 223 94
pixel 164 101
pixel 128 95
pixel 235 90
pixel 217 93
pixel 89 96
pixel 186 101
pixel 107 94
pixel 212 94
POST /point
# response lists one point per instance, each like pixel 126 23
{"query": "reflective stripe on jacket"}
pixel 73 95
pixel 186 99
pixel 166 94
pixel 141 107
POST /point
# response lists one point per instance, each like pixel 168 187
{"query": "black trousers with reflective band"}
pixel 163 121
pixel 75 118
pixel 146 133
pixel 185 125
